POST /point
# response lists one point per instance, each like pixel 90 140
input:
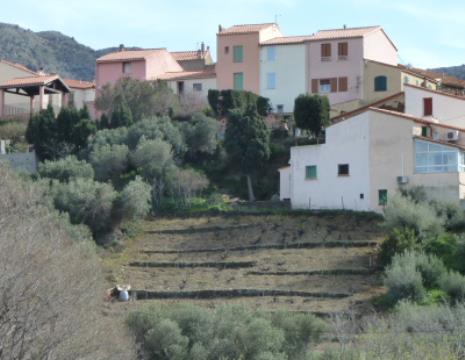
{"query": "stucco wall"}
pixel 379 48
pixel 346 143
pixel 371 71
pixel 350 68
pixel 111 72
pixel 447 109
pixel 285 183
pixel 290 70
pixel 82 96
pixel 207 84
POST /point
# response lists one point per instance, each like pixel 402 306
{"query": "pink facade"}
pixel 111 72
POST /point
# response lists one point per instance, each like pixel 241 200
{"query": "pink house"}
pixel 139 64
pixel 238 55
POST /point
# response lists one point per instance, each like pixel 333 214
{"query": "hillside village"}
pixel 289 197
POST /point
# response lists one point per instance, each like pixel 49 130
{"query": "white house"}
pixel 369 154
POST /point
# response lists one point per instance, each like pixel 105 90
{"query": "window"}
pixel 226 50
pixel 180 86
pixel 382 197
pixel 197 87
pixel 362 196
pixel 435 158
pixel 343 84
pixel 381 83
pixel 127 68
pixel 271 53
pixel 325 86
pixel 343 170
pixel 280 108
pixel 238 81
pixel 271 81
pixel 424 131
pixel 325 52
pixel 310 172
pixel 342 50
pixel 406 79
pixel 238 53
pixel 427 106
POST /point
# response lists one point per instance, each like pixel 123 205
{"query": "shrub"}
pixel 402 212
pixel 452 212
pixel 87 202
pixel 151 158
pixel 184 184
pixel 65 169
pixel 431 269
pixel 453 284
pixel 403 280
pixel 109 162
pixel 398 241
pixel 118 136
pixel 13 130
pixel 450 249
pixel 134 202
pixel 201 135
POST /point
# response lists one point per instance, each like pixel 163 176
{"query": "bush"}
pixel 453 284
pixel 403 280
pixel 402 212
pixel 151 158
pixel 398 241
pixel 109 162
pixel 134 202
pixel 13 130
pixel 103 137
pixel 87 202
pixel 65 169
pixel 190 332
pixel 431 269
pixel 450 249
pixel 201 135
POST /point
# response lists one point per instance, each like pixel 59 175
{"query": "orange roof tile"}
pixel 207 73
pixel 287 40
pixel 245 28
pixel 188 55
pixel 79 84
pixel 18 66
pixel 29 81
pixel 130 55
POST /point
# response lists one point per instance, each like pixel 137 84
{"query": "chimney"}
pixel 41 71
pixel 202 47
pixel 220 28
pixel 121 47
pixel 344 26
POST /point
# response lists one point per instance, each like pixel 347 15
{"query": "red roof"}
pixel 207 73
pixel 79 84
pixel 245 28
pixel 188 55
pixel 130 55
pixel 344 33
pixel 38 80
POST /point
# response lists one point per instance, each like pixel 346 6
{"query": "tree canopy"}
pixel 311 112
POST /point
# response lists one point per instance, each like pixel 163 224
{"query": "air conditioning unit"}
pixel 453 135
pixel 402 180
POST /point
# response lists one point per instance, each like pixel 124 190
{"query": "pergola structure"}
pixel 33 86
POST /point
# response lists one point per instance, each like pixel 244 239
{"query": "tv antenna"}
pixel 276 18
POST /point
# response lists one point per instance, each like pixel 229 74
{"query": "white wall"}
pixel 447 109
pixel 346 143
pixel 378 47
pixel 290 69
pixel 207 84
pixel 285 183
pixel 82 96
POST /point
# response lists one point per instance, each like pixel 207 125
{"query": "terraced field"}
pixel 320 263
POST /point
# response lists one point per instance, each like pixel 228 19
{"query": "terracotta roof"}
pixel 79 84
pixel 362 109
pixel 207 73
pixel 245 28
pixel 18 66
pixel 447 80
pixel 29 81
pixel 188 55
pixel 130 55
pixel 344 33
pixel 437 92
pixel 286 40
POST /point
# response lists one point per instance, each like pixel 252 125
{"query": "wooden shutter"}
pixel 427 106
pixel 343 49
pixel 315 86
pixel 343 86
pixel 334 85
pixel 325 50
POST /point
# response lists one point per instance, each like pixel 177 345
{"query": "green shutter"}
pixel 424 131
pixel 238 53
pixel 238 81
pixel 310 172
pixel 381 83
pixel 382 197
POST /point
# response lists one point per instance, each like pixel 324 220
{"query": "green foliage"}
pixel 13 130
pixel 65 169
pixel 188 332
pixel 398 241
pixel 86 201
pixel 134 201
pixel 53 138
pixel 144 98
pixel 311 112
pixel 224 101
pixel 103 137
pixel 109 162
pixel 453 284
pixel 201 136
pixel 121 115
pixel 151 158
pixel 451 249
pixel 214 101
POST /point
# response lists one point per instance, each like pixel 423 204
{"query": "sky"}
pixel 427 33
